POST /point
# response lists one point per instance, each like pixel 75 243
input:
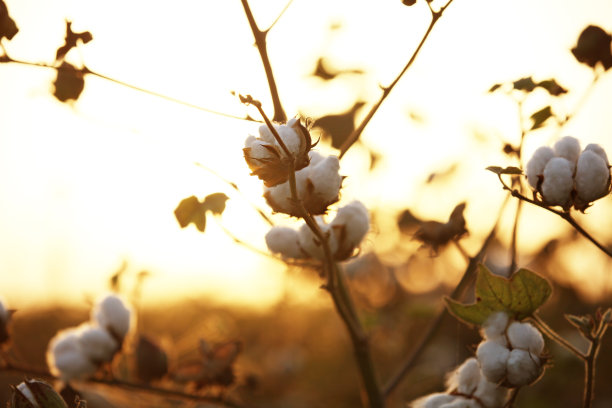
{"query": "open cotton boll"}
pixel 558 182
pixel 598 150
pixel 433 400
pixel 311 245
pixel 523 368
pixel 113 314
pixel 350 225
pixel 490 394
pixel 493 358
pixel 284 241
pixel 535 165
pixel 461 402
pixel 468 376
pixel 525 336
pixel 494 328
pixel 569 148
pixel 592 176
pixel 325 178
pixel 97 344
pixel 66 358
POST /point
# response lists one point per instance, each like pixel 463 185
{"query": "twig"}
pixel 260 42
pixel 565 215
pixel 556 336
pixel 86 71
pixel 513 242
pixel 279 16
pixel 468 275
pixel 354 136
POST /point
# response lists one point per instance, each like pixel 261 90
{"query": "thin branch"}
pixel 260 42
pixel 86 71
pixel 267 30
pixel 354 136
pixel 557 337
pixel 467 277
pixel 565 215
pixel 514 241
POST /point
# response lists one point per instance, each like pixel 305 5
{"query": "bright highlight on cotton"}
pixel 567 177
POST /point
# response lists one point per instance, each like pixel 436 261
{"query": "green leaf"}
pixel 191 210
pixel 508 170
pixel 520 296
pixel 524 84
pixel 215 203
pixel 540 117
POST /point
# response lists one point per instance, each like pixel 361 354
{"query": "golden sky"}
pixel 87 185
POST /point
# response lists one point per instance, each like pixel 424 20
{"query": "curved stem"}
pixel 354 136
pixel 260 42
pixel 553 335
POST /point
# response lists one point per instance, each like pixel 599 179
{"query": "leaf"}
pixel 540 117
pixel 191 210
pixel 71 41
pixel 339 126
pixel 552 87
pixel 495 87
pixel 524 84
pixel 594 47
pixel 215 203
pixel 408 2
pixel 69 83
pixel 520 296
pixel 8 28
pixel 508 170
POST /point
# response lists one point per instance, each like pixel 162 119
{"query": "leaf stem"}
pixel 260 42
pixel 354 136
pixel 553 335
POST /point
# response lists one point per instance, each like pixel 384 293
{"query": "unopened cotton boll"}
pixel 433 400
pixel 493 358
pixel 66 358
pixel 523 368
pixel 97 344
pixel 113 314
pixel 311 245
pixel 537 163
pixel 350 225
pixel 592 177
pixel 569 148
pixel 284 241
pixel 558 182
pixel 525 336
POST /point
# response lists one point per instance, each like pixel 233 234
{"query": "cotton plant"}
pixel 79 352
pixel 565 176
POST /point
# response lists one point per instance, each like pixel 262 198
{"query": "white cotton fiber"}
pixel 494 328
pixel 525 336
pixel 468 376
pixel 97 344
pixel 523 368
pixel 433 400
pixel 311 245
pixel 535 165
pixel 598 150
pixel 284 241
pixel 492 357
pixel 569 148
pixel 592 176
pixel 558 182
pixel 113 314
pixel 66 359
pixel 326 180
pixel 350 225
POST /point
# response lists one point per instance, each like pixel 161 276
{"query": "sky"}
pixel 89 185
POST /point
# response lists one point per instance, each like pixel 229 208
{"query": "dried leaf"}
pixel 71 41
pixel 191 210
pixel 215 203
pixel 594 47
pixel 69 83
pixel 8 28
pixel 540 117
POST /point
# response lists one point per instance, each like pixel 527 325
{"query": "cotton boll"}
pixel 598 150
pixel 322 186
pixel 461 402
pixel 525 336
pixel 494 328
pixel 468 376
pixel 493 358
pixel 535 166
pixel 490 394
pixel 350 225
pixel 97 344
pixel 66 359
pixel 569 148
pixel 592 177
pixel 266 135
pixel 433 400
pixel 523 368
pixel 113 314
pixel 284 241
pixel 558 182
pixel 311 245
pixel 315 157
